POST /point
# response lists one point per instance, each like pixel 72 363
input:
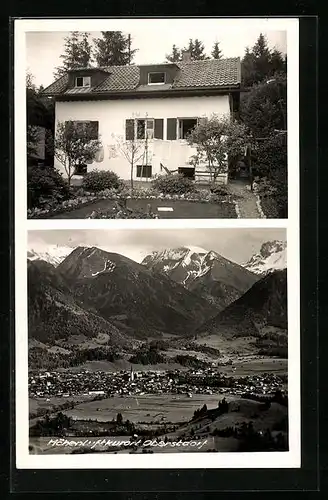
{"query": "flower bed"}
pixel 115 213
pixel 52 209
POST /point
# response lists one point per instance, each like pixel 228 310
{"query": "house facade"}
pixel 154 105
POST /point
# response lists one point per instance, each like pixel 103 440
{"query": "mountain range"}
pixel 217 279
pixel 271 256
pixel 139 302
pixel 180 292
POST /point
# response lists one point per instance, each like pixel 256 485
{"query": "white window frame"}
pixel 156 73
pixel 86 81
pixel 152 129
pixel 185 118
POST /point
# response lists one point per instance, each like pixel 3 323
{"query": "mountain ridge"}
pixel 207 273
pixel 144 300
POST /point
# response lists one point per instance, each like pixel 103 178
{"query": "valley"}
pixel 118 348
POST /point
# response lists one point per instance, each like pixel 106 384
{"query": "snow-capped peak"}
pixel 54 254
pixel 272 256
pixel 174 257
pixel 199 250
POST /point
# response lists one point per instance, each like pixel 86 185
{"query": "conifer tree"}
pixel 195 47
pixel 261 63
pixel 77 53
pixel 216 51
pixel 198 54
pixel 190 47
pixel 113 49
pixel 175 55
pixel 277 62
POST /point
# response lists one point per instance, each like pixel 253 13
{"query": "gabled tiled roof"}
pixel 210 73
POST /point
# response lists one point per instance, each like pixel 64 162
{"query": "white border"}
pixel 289 459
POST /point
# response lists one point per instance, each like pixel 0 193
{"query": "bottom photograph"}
pixel 157 341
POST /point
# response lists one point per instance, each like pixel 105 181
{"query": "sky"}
pixel 154 40
pixel 237 244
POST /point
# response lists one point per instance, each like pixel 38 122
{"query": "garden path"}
pixel 245 198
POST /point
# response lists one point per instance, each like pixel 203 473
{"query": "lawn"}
pixel 181 209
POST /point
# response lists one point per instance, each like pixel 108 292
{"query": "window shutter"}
pixel 129 130
pixel 171 129
pixel 159 125
pixel 94 130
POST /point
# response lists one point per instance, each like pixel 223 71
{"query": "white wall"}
pixel 111 115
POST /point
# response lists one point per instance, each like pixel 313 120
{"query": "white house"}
pixel 157 104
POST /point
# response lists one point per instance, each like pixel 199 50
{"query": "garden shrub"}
pixel 45 185
pixel 97 180
pixel 271 166
pixel 173 184
pixel 219 190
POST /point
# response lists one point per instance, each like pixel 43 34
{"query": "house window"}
pixel 156 78
pixel 90 127
pixel 83 81
pixel 144 128
pixel 185 126
pixel 144 171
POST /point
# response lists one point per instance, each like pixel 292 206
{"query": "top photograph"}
pixel 151 123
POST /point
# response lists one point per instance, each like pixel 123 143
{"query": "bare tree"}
pixel 132 150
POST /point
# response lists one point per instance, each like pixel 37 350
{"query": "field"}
pixel 147 408
pixel 255 366
pixel 42 403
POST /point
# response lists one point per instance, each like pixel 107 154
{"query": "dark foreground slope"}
pixel 54 314
pixel 263 305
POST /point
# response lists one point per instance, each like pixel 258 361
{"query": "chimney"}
pixel 186 56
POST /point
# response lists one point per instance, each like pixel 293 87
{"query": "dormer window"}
pixel 156 78
pixel 83 81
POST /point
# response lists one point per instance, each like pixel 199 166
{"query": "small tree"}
pixel 217 140
pixel 74 146
pixel 175 55
pixel 132 150
pixel 198 51
pixel 216 51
